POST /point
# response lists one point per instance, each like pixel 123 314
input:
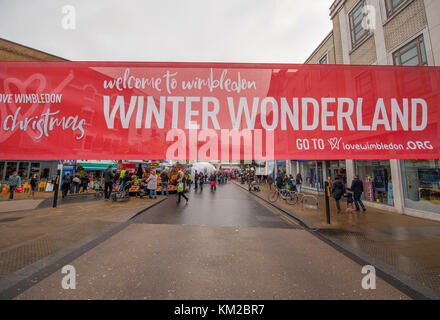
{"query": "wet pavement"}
pixel 222 245
pixel 405 246
pixel 228 206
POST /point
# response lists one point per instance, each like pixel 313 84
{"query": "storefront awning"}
pixel 95 166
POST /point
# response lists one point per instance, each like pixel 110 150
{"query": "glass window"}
pixel 23 168
pixel 421 184
pixel 45 173
pixel 376 176
pixel 35 168
pixel 10 167
pixel 2 169
pixel 393 5
pixel 324 59
pixel 356 16
pixel 311 173
pixel 412 54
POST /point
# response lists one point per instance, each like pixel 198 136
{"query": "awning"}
pixel 95 166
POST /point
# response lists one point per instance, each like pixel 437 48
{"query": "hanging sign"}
pixel 215 111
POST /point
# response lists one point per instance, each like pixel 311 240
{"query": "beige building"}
pixel 382 32
pixel 11 51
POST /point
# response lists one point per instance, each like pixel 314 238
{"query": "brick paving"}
pixel 29 235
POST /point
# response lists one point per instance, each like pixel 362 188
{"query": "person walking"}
pixel 299 181
pixel 181 182
pixel 337 190
pixel 14 181
pixel 67 181
pixel 357 187
pixel 279 180
pixel 108 182
pixel 34 185
pixel 85 183
pixel 76 181
pixel 201 180
pixel 212 179
pixel 189 181
pixel 196 180
pixel 165 178
pixel 152 184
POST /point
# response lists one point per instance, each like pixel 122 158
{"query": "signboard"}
pixel 215 111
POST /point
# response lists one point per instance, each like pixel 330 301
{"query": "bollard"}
pixel 55 194
pixel 327 203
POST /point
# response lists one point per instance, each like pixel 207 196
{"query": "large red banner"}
pixel 215 111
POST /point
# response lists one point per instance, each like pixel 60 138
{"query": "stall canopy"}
pixel 95 166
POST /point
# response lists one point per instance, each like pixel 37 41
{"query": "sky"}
pixel 269 31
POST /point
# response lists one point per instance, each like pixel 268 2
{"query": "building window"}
pixel 311 173
pixel 324 59
pixel 376 176
pixel 356 16
pixel 393 5
pixel 421 184
pixel 412 54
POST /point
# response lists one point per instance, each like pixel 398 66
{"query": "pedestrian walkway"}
pixel 407 244
pixel 27 236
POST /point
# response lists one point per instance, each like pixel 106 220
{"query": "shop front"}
pixel 376 176
pixel 45 170
pixel 312 175
pixel 421 185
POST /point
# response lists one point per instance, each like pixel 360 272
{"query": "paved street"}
pixel 222 245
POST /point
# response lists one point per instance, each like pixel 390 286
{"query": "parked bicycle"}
pixel 290 197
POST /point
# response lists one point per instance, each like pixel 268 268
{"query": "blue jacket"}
pixel 14 181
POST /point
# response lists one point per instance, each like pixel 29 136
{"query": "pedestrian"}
pixel 357 187
pixel 201 180
pixel 108 182
pixel 298 182
pixel 181 182
pixel 76 181
pixel 350 203
pixel 34 185
pixel 152 184
pixel 329 181
pixel 67 181
pixel 196 180
pixel 14 182
pixel 279 180
pixel 337 191
pixel 189 181
pixel 165 178
pixel 85 183
pixel 213 182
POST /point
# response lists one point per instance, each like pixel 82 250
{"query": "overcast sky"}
pixel 285 31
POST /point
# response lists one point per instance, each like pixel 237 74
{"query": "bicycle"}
pixel 287 195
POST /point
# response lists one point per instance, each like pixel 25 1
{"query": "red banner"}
pixel 213 111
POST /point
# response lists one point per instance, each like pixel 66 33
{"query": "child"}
pixel 350 203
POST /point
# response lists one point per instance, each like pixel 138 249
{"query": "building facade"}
pixel 382 32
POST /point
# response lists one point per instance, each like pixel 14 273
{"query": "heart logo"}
pixel 23 87
pixel 334 143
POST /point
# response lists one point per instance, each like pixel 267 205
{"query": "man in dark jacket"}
pixel 164 181
pixel 14 182
pixel 108 182
pixel 337 192
pixel 67 181
pixel 357 187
